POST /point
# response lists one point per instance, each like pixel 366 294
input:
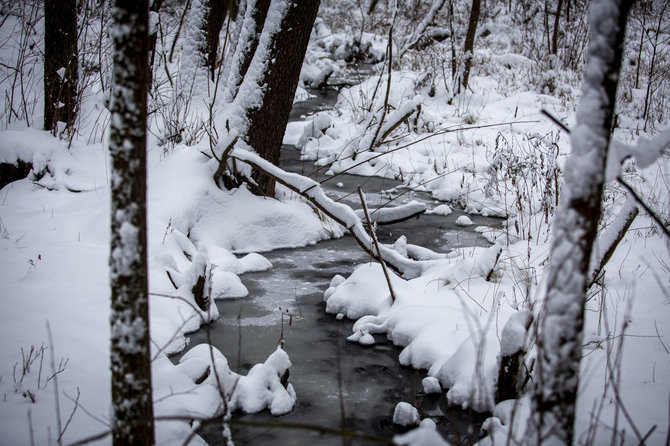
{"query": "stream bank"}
pixel 339 385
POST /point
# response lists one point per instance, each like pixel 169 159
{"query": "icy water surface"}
pixel 339 385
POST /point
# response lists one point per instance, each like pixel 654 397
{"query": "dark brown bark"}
pixel 215 15
pixel 267 122
pixel 60 52
pixel 153 37
pixel 132 409
pixel 469 46
pixel 10 172
pixel 557 21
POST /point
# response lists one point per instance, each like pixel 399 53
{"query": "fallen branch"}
pixel 397 214
pixel 400 116
pixel 339 212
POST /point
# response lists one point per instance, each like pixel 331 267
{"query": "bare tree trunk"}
pixel 557 21
pixel 215 15
pixel 132 410
pixel 153 38
pixel 652 65
pixel 61 63
pixel 575 228
pixel 282 58
pixel 252 27
pixel 470 42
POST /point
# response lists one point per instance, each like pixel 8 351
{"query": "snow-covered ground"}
pixel 489 151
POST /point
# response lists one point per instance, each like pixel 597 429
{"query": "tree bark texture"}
pixel 575 228
pixel 132 421
pixel 61 63
pixel 268 120
pixel 468 49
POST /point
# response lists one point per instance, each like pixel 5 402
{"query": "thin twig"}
pixel 53 370
pixel 30 428
pixel 376 243
pixel 647 209
pixel 69 420
pixel 621 181
pixel 92 438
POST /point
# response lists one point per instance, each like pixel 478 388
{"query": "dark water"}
pixel 339 385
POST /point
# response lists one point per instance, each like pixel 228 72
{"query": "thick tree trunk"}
pixel 132 411
pixel 468 50
pixel 575 228
pixel 282 55
pixel 61 63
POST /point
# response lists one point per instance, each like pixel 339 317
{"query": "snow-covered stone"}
pixel 406 415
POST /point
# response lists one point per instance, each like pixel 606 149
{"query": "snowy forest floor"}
pixel 487 152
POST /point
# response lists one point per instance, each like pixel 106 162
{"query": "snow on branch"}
pixel 607 242
pixel 645 151
pixel 339 212
pixel 389 216
pixel 421 29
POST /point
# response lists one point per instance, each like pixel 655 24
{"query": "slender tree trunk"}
pixel 281 55
pixel 61 63
pixel 153 37
pixel 215 15
pixel 575 228
pixel 238 10
pixel 454 63
pixel 252 27
pixel 132 411
pixel 557 21
pixel 468 50
pixel 643 25
pixel 652 65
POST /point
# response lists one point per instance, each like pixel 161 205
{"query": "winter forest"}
pixel 337 222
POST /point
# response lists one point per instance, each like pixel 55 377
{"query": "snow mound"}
pixel 405 415
pixel 464 220
pixel 424 435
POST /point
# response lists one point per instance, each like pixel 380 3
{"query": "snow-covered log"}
pixel 389 216
pixel 341 213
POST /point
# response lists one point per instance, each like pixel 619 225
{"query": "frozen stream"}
pixel 339 385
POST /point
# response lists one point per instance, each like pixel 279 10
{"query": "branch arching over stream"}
pixel 339 212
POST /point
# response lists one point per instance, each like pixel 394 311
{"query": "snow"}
pixel 405 415
pixel 431 385
pixel 442 209
pixel 488 151
pixel 424 435
pixel 464 220
pixel 54 266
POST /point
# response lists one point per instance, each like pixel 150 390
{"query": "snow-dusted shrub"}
pixel 526 175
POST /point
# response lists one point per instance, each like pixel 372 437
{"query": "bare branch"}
pixel 376 243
